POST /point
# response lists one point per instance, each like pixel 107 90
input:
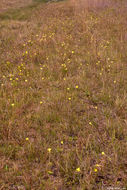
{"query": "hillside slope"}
pixel 63 96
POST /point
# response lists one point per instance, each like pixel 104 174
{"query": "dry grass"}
pixel 8 4
pixel 63 94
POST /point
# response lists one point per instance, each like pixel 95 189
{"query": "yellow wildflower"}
pixel 49 150
pixel 98 165
pixel 78 170
pixel 61 142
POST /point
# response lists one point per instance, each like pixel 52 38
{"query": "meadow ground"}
pixel 63 95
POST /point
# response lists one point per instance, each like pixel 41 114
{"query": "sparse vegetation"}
pixel 63 96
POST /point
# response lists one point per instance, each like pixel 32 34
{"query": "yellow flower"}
pixel 40 102
pixel 114 81
pixel 61 142
pixel 26 52
pixel 69 98
pixel 72 52
pixel 76 86
pixel 95 170
pixel 98 165
pixel 103 153
pixel 27 138
pixel 12 105
pixel 68 88
pixel 90 123
pixel 78 170
pixel 26 80
pixel 49 150
pixel 64 78
pixel 42 78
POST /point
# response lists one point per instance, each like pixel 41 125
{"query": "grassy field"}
pixel 63 95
